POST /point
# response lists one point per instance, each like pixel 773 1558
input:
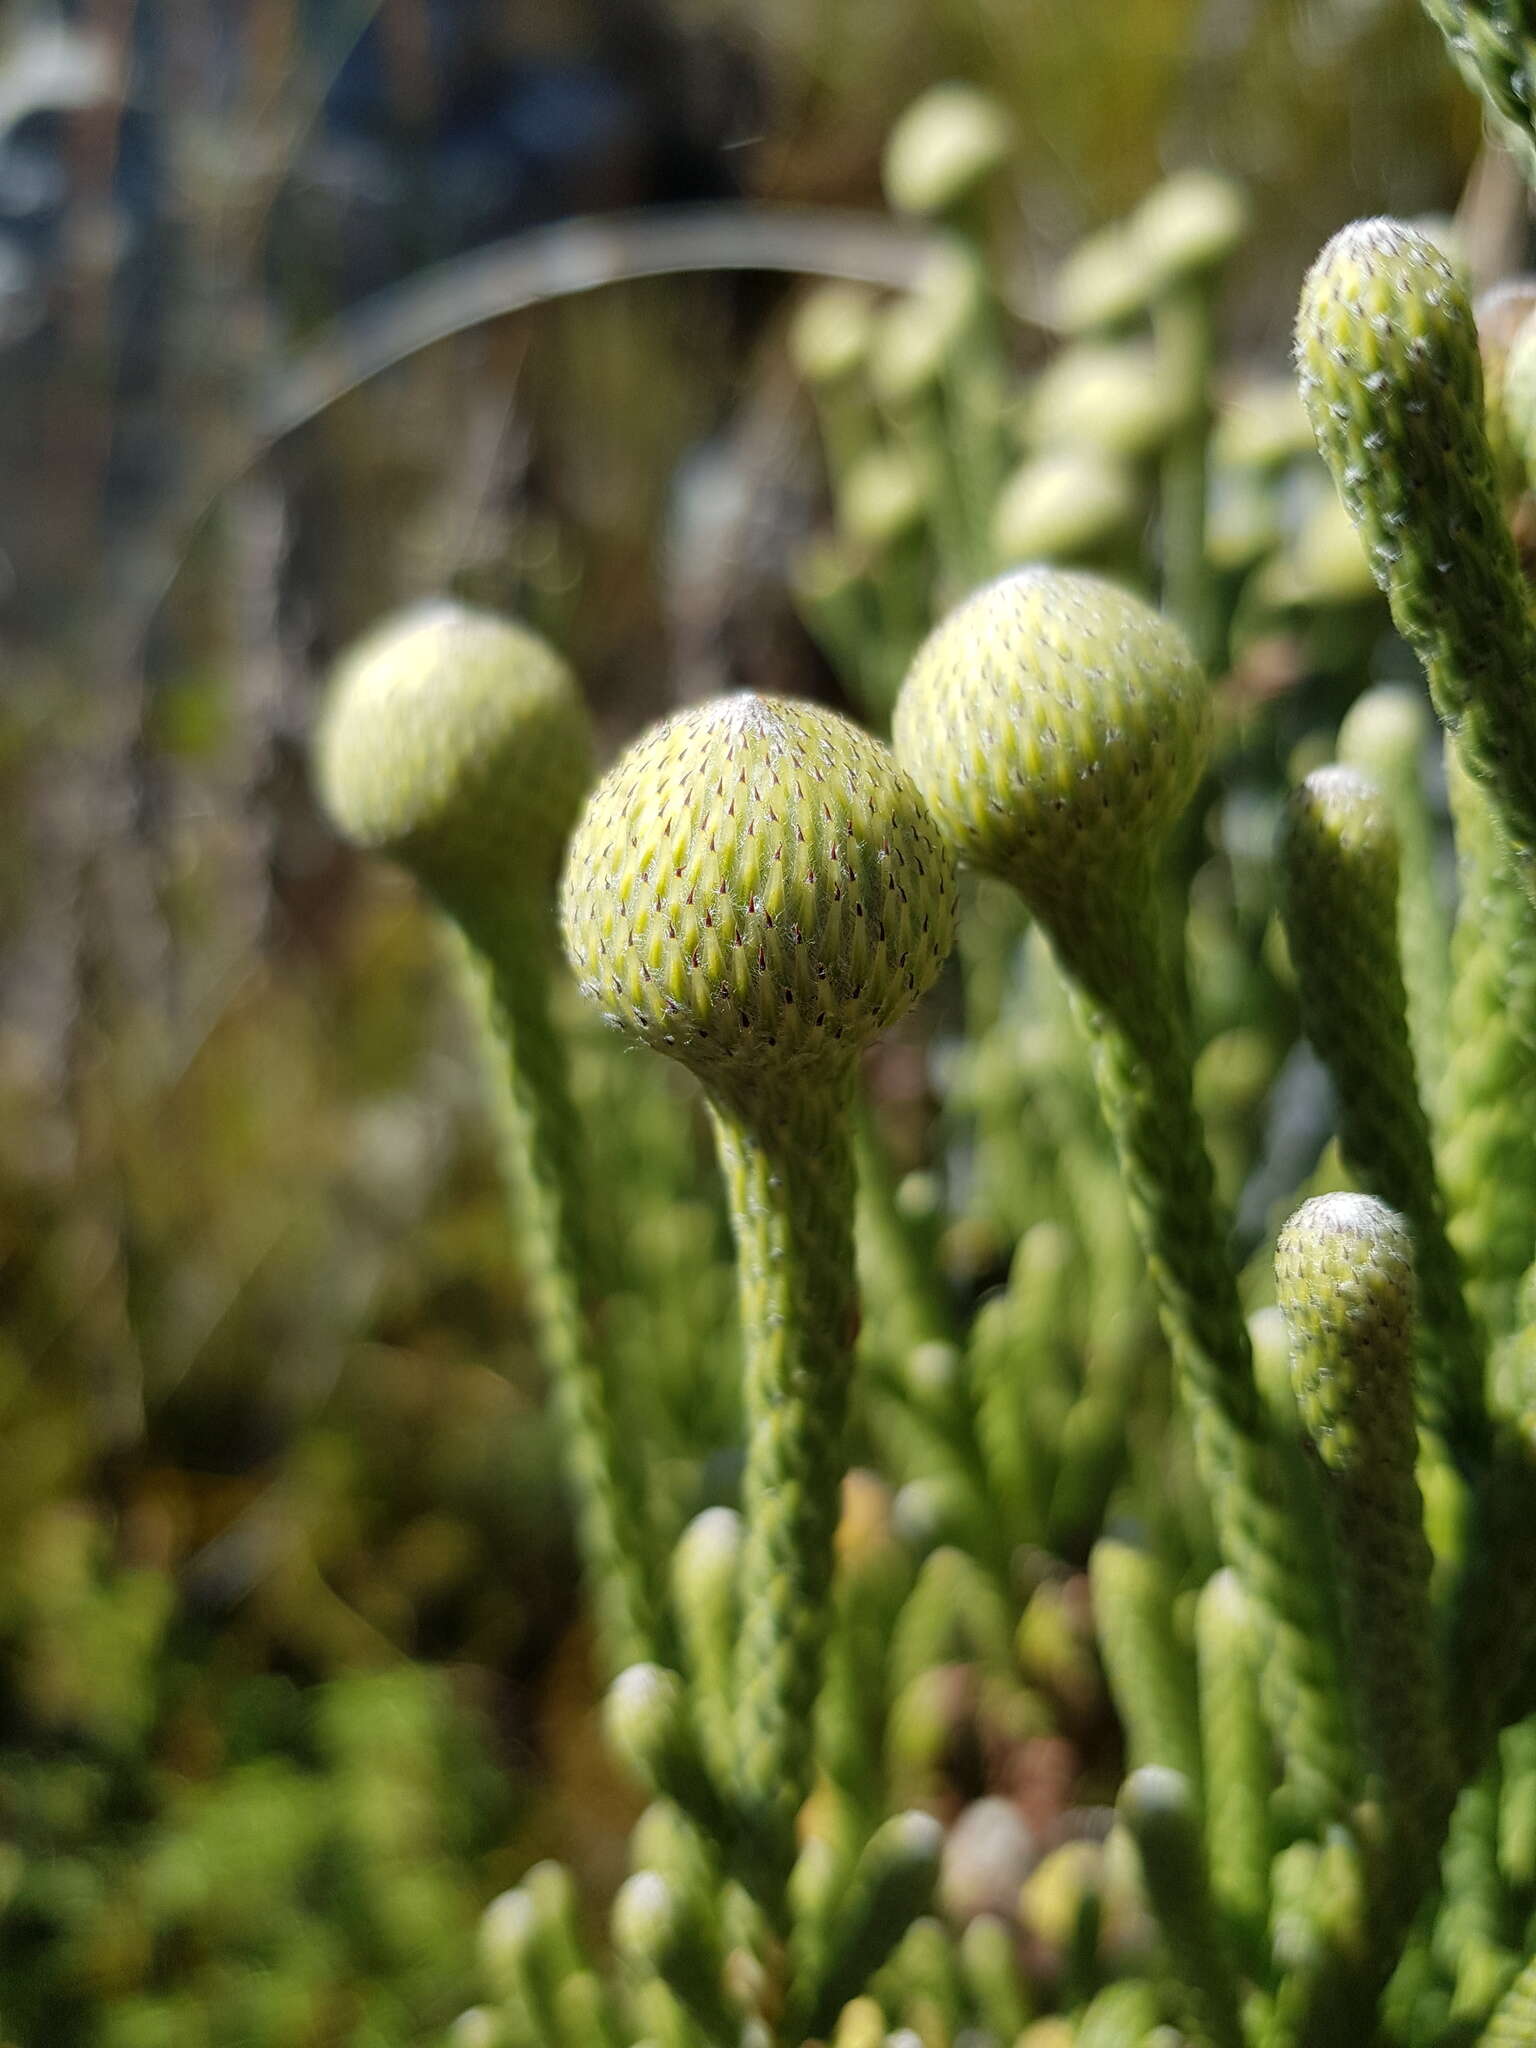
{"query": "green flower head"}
pixel 1057 726
pixel 756 886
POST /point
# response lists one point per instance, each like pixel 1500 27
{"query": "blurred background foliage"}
pixel 294 1676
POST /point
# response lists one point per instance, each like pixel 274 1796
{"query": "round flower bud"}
pixel 1112 396
pixel 830 335
pixel 458 743
pixel 1190 224
pixel 944 147
pixel 1057 726
pixel 1068 503
pixel 756 887
pixel 1102 283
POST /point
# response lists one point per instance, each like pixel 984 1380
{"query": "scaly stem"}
pixel 790 1182
pixel 1340 883
pixel 1137 1019
pixel 1345 1282
pixel 1488 1124
pixel 537 1145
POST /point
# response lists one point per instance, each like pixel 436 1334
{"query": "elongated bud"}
pixel 891 1885
pixel 1387 356
pixel 1149 1671
pixel 655 1931
pixel 1339 870
pixel 757 887
pixel 1344 1278
pixel 1158 1808
pixel 646 1720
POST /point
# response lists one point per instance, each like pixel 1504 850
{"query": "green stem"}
pixel 539 1152
pixel 1137 1019
pixel 790 1181
pixel 1340 882
pixel 1487 1147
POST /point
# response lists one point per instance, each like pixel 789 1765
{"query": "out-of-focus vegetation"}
pixel 295 1674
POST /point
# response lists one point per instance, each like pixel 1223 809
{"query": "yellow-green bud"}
pixel 1063 505
pixel 1110 396
pixel 757 887
pixel 1190 224
pixel 1101 284
pixel 1057 726
pixel 944 148
pixel 830 335
pixel 882 498
pixel 1344 1268
pixel 457 743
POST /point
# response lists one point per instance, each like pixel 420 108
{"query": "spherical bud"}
pixel 883 498
pixel 1112 396
pixel 757 888
pixel 1262 426
pixel 1057 726
pixel 830 336
pixel 1190 224
pixel 1062 506
pixel 944 148
pixel 458 743
pixel 1102 284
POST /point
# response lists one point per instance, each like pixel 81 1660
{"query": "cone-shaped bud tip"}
pixel 1157 1805
pixel 1057 726
pixel 645 1917
pixel 757 886
pixel 456 742
pixel 644 1716
pixel 945 146
pixel 1388 363
pixel 1337 833
pixel 1344 1279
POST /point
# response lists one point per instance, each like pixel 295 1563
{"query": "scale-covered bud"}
pixel 1344 1271
pixel 756 888
pixel 457 743
pixel 944 148
pixel 1388 360
pixel 1057 726
pixel 1387 357
pixel 1339 859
